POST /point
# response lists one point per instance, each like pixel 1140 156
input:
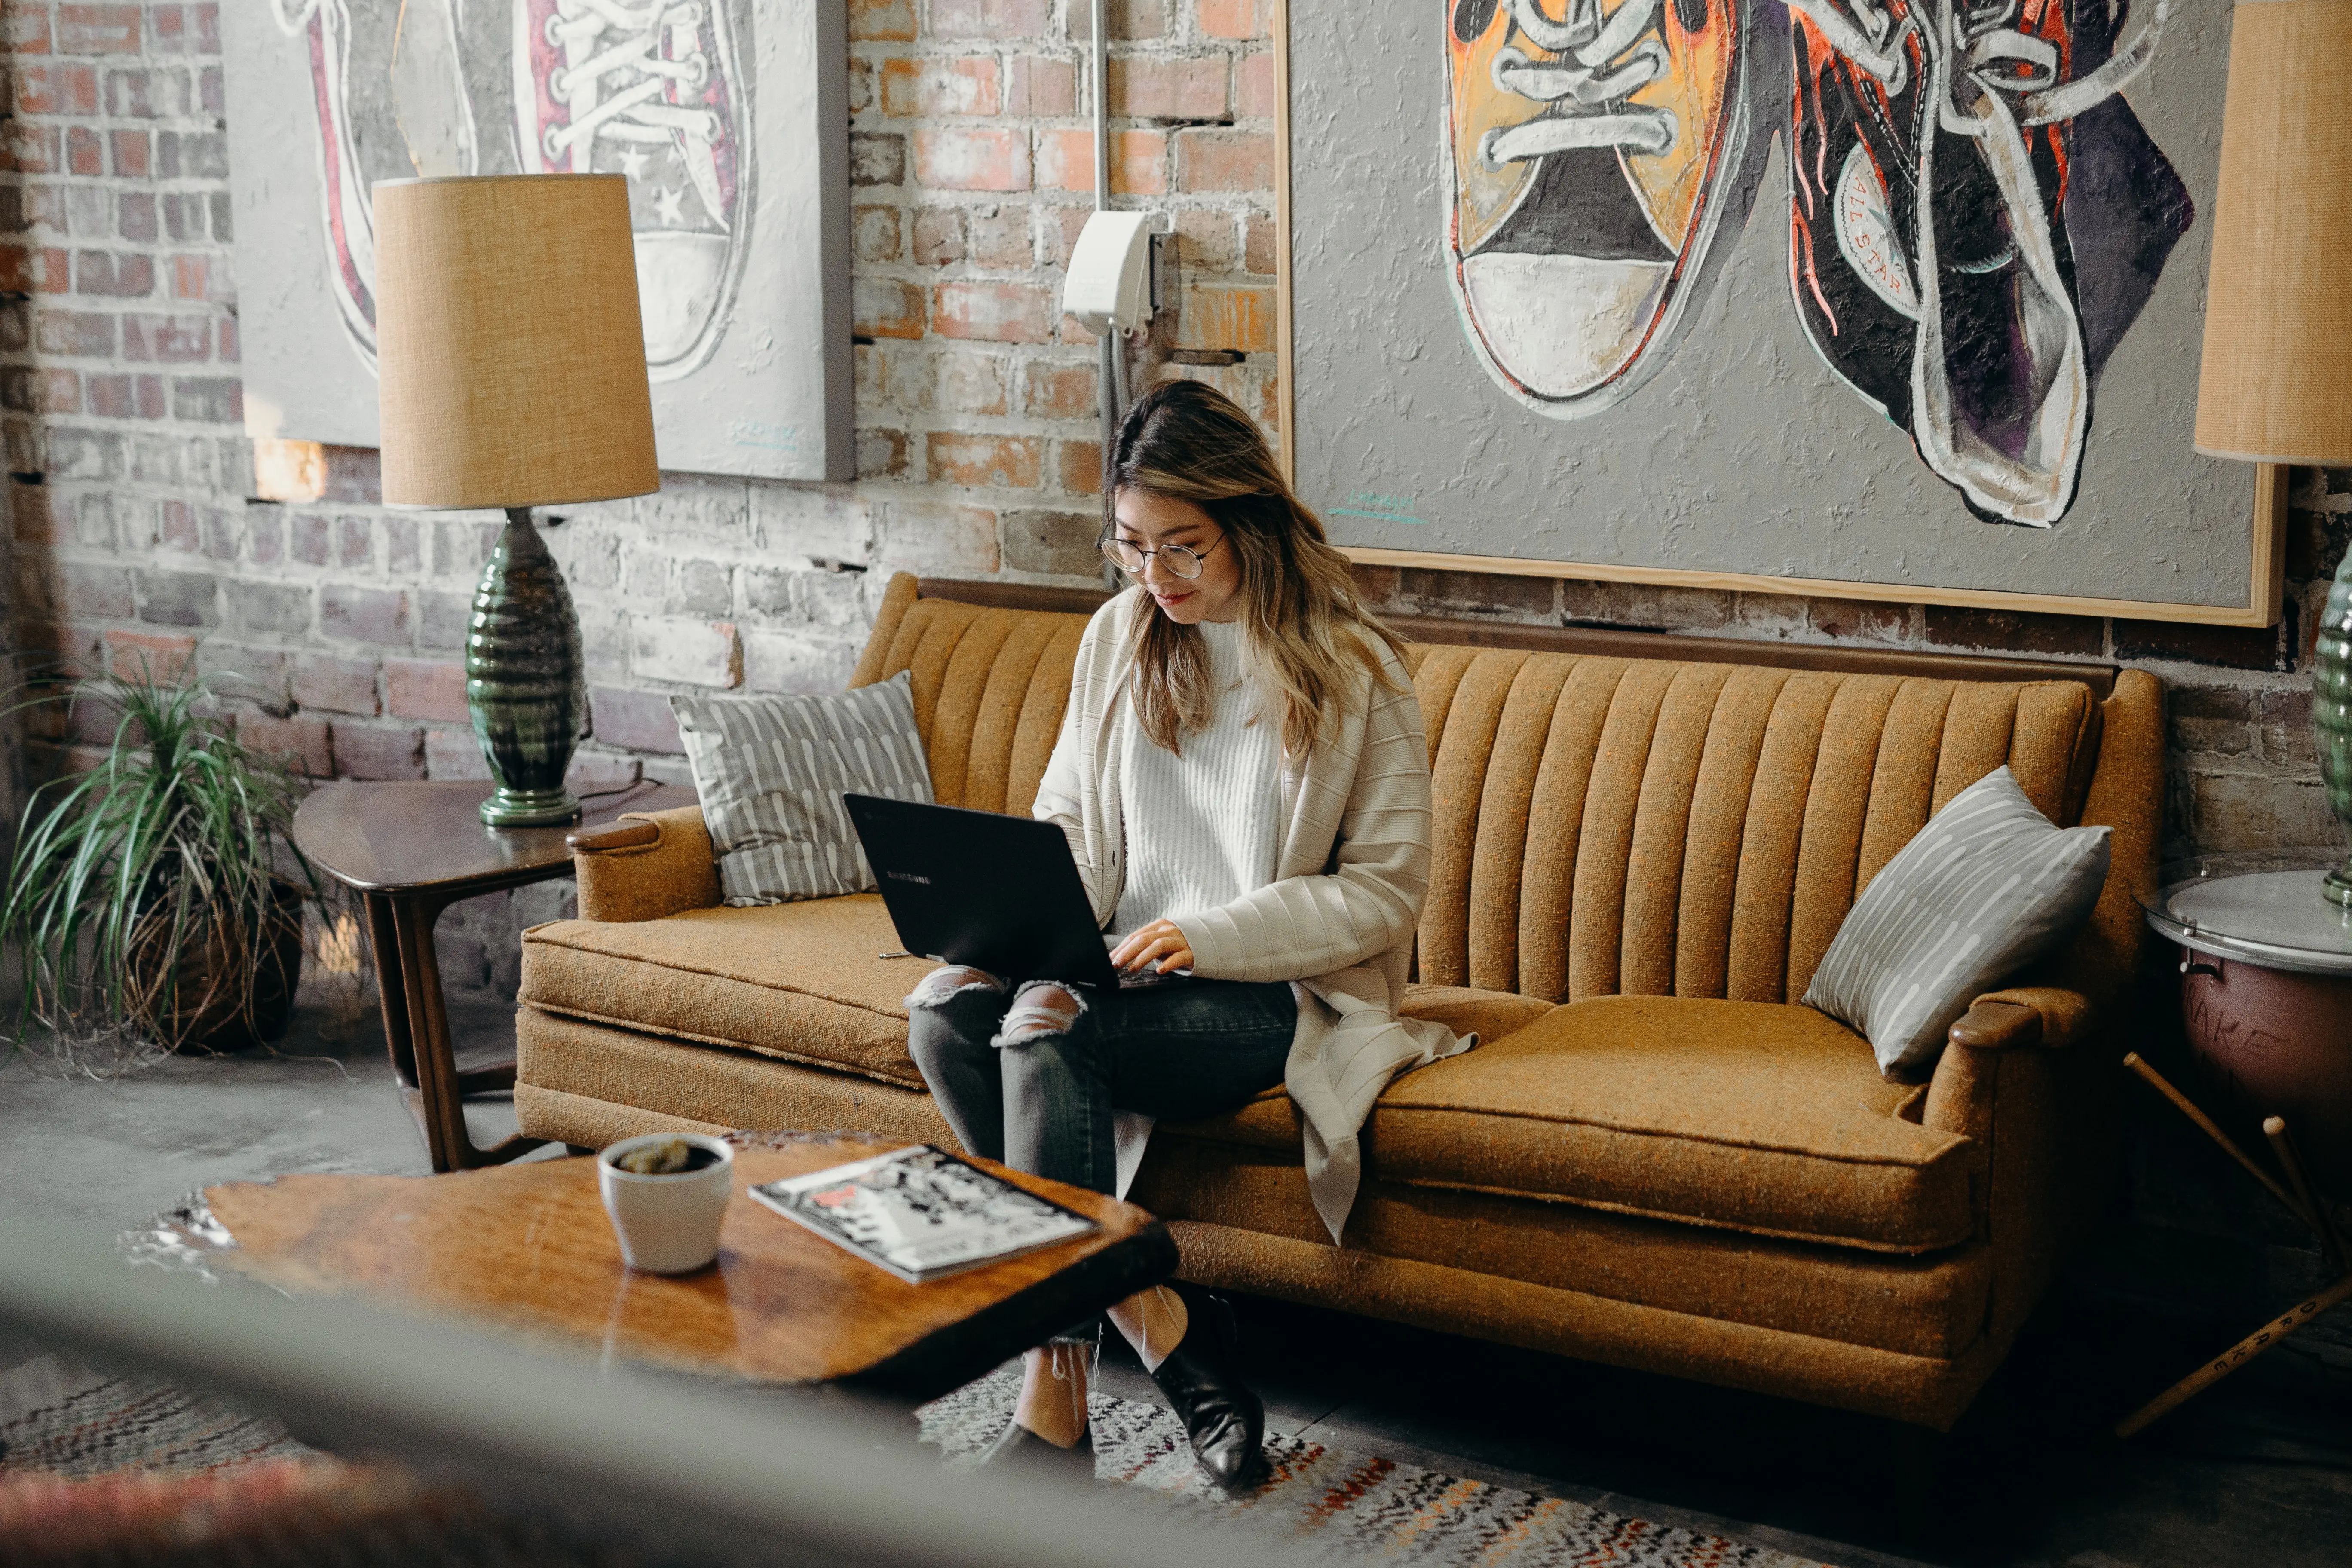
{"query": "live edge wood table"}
pixel 409 851
pixel 527 1247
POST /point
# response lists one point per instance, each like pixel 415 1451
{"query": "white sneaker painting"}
pixel 649 90
pixel 727 118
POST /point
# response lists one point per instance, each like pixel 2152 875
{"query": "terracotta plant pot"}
pixel 234 991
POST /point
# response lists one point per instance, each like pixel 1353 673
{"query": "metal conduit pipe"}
pixel 1112 372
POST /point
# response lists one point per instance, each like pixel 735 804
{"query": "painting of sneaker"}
pixel 359 138
pixel 649 89
pixel 325 29
pixel 1965 189
pixel 1593 157
pixel 729 125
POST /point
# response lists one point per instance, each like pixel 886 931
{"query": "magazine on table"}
pixel 921 1212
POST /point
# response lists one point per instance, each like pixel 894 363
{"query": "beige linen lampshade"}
pixel 2277 380
pixel 511 351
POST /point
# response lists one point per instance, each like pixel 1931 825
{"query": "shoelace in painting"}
pixel 613 93
pixel 1599 63
pixel 1988 51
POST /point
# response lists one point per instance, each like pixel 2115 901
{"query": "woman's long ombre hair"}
pixel 1302 622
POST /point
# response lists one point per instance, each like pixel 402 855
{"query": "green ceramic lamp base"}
pixel 2338 886
pixel 523 679
pixel 530 808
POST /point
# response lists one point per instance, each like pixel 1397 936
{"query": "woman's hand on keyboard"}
pixel 1160 946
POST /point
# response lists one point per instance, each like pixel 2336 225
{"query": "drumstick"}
pixel 2290 1160
pixel 2157 1080
pixel 2236 1356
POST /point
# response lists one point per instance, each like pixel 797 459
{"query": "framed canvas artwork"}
pixel 729 118
pixel 1895 300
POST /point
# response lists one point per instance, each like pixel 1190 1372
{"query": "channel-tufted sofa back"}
pixel 1608 825
pixel 1644 828
pixel 990 686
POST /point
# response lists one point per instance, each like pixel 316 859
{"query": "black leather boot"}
pixel 1201 1379
pixel 1020 1448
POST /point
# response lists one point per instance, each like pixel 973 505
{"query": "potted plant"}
pixel 159 894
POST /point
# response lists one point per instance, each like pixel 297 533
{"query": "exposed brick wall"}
pixel 971 174
pixel 970 167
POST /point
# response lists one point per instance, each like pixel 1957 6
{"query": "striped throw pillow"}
pixel 1989 886
pixel 771 771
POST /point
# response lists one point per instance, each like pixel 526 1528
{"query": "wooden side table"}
pixel 409 851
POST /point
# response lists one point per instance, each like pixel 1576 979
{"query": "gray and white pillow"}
pixel 771 771
pixel 1989 886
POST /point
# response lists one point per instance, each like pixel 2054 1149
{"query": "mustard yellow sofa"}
pixel 1656 1158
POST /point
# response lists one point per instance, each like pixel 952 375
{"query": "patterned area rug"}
pixel 1353 1507
pixel 65 1420
pixel 134 1472
pixel 97 1467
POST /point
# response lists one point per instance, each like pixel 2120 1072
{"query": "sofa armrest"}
pixel 646 866
pixel 2049 1015
pixel 2031 1019
pixel 1996 1026
pixel 638 834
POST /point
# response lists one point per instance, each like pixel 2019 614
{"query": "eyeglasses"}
pixel 1180 562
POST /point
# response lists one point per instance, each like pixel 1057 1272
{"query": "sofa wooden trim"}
pixel 1613 642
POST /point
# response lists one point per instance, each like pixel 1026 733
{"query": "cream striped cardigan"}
pixel 1337 921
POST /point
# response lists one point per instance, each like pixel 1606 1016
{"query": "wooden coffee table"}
pixel 527 1247
pixel 411 850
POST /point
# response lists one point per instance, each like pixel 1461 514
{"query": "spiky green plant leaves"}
pixel 147 894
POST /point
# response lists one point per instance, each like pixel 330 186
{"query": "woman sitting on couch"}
pixel 1245 782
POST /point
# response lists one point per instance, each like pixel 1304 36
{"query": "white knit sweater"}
pixel 1203 821
pixel 1337 918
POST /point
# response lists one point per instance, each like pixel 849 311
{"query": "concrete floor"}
pixel 2258 1471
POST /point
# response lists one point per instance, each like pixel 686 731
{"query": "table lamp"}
pixel 511 374
pixel 2276 385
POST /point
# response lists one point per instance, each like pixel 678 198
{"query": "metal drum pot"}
pixel 2266 994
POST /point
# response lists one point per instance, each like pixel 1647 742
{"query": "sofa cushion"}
pixel 989 685
pixel 773 773
pixel 1929 1305
pixel 1989 886
pixel 611 1081
pixel 800 981
pixel 1762 1117
pixel 804 981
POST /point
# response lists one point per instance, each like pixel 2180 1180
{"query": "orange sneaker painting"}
pixel 1597 148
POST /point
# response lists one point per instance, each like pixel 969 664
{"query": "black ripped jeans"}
pixel 1043 1103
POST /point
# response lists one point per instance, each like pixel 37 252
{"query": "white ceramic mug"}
pixel 667 1224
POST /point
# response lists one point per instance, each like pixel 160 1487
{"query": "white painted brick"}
pixel 796 661
pixel 931 536
pixel 543 902
pixel 816 523
pixel 605 638
pixel 594 771
pixel 687 653
pixel 697 507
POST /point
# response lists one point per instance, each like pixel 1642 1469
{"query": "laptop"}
pixel 997 892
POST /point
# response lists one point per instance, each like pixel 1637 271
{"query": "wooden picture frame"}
pixel 2268 528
